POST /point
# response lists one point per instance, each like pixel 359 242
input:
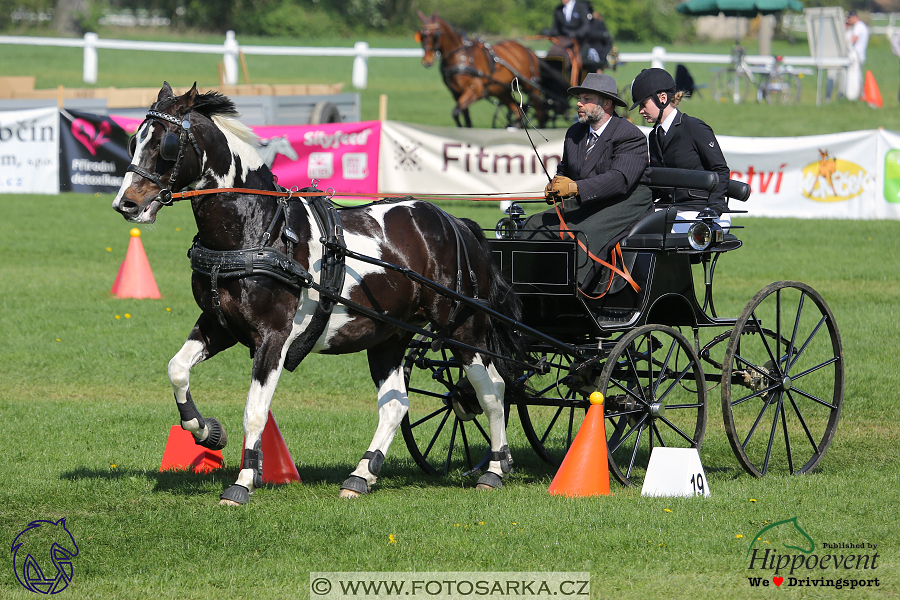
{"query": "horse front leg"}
pixel 206 339
pixel 268 363
pixel 385 365
pixel 490 388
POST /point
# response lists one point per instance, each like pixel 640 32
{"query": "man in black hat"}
pixel 601 182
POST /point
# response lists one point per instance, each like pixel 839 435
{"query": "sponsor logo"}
pixel 42 556
pixel 833 179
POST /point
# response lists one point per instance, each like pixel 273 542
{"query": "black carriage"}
pixel 779 365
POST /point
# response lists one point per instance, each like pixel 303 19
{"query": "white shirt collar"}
pixel 669 120
pixel 568 9
pixel 599 131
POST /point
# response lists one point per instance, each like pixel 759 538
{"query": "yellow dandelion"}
pixel 481 522
pixel 168 309
pixel 127 315
pixel 58 340
pixel 667 510
pixel 113 466
pixel 178 229
pixel 108 249
pixel 739 536
pixel 514 523
pixel 456 524
pixel 752 499
pixel 118 317
pixel 391 539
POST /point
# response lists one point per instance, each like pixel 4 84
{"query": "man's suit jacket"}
pixel 690 144
pixel 612 192
pixel 578 27
pixel 614 167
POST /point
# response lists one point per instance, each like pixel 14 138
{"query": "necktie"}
pixel 590 145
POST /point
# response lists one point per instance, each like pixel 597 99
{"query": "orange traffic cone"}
pixel 585 471
pixel 278 466
pixel 871 93
pixel 135 279
pixel 182 453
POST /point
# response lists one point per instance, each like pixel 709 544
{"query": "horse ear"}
pixel 192 95
pixel 165 92
pixel 421 16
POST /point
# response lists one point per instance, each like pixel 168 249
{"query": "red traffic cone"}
pixel 871 93
pixel 182 453
pixel 585 471
pixel 278 466
pixel 135 279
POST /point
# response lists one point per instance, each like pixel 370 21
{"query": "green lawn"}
pixel 87 408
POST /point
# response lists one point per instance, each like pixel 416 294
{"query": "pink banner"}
pixel 342 156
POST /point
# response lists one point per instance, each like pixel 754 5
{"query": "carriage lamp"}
pixel 509 226
pixel 705 232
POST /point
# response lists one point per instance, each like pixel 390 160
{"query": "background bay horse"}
pixel 194 140
pixel 474 69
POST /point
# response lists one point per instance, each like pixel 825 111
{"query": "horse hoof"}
pixel 217 437
pixel 354 487
pixel 489 481
pixel 235 496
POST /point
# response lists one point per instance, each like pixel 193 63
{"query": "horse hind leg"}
pixel 393 404
pixel 490 388
pixel 206 340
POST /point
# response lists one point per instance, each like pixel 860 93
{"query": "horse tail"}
pixel 503 339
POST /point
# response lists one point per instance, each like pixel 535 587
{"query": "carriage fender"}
pixel 673 310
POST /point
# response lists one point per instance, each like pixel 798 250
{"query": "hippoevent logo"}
pixel 783 554
pixel 833 179
pixel 42 556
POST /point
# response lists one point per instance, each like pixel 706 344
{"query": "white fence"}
pixel 360 52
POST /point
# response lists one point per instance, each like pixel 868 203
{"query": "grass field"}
pixel 87 407
pixel 418 95
pixel 86 404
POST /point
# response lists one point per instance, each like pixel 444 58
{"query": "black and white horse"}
pixel 251 250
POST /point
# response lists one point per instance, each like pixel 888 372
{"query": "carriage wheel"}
pixel 444 429
pixel 655 395
pixel 783 380
pixel 555 409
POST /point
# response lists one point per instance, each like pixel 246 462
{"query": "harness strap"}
pixel 564 230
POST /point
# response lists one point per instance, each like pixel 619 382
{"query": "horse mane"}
pixel 221 110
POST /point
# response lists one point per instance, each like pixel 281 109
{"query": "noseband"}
pixel 167 152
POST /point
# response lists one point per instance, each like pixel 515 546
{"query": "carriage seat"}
pixel 654 231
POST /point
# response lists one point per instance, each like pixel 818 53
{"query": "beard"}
pixel 592 115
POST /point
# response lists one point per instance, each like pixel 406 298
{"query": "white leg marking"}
pixel 393 404
pixel 256 412
pixel 190 354
pixel 490 388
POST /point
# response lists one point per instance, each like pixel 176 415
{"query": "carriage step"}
pixel 615 316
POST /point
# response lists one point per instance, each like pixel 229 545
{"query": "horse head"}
pixel 192 140
pixel 430 37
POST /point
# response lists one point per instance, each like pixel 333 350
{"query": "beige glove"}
pixel 560 187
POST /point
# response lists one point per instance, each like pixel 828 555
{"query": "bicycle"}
pixel 776 84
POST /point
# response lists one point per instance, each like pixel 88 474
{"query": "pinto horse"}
pixel 474 69
pixel 258 254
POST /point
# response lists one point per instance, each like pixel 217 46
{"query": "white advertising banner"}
pixel 854 175
pixel 447 160
pixel 29 151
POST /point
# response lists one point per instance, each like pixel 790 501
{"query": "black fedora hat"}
pixel 599 83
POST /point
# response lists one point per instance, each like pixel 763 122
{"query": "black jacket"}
pixel 578 27
pixel 690 144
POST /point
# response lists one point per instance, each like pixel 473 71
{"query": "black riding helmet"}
pixel 648 84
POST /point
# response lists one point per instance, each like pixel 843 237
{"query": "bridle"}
pixel 171 148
